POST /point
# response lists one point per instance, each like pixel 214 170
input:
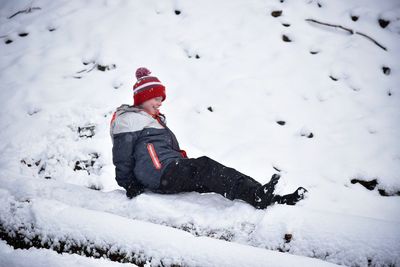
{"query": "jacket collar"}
pixel 131 108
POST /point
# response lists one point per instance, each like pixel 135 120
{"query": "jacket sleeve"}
pixel 123 159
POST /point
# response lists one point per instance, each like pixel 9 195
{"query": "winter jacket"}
pixel 143 146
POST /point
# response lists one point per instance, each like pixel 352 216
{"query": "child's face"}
pixel 152 105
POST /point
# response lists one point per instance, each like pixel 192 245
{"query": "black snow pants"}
pixel 206 175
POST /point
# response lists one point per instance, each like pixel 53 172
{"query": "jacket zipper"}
pixel 153 156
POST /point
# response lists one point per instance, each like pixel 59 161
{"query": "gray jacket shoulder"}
pixel 131 119
pixel 129 122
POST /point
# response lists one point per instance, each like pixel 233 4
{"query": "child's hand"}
pixel 134 190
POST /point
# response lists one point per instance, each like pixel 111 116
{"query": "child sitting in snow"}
pixel 146 155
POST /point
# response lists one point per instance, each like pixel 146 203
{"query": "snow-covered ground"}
pixel 230 78
pixel 46 257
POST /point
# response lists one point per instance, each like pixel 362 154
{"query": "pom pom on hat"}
pixel 141 72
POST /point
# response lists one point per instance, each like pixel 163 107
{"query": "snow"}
pixel 45 257
pixel 336 237
pixel 161 244
pixel 52 86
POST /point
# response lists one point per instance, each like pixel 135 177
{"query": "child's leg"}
pixel 203 175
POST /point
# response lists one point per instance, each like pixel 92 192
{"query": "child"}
pixel 146 155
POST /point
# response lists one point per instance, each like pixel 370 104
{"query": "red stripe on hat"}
pixel 144 80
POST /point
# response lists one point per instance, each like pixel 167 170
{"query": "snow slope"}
pixel 160 243
pixel 326 237
pixel 45 257
pixel 230 77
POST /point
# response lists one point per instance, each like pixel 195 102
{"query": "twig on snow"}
pixel 28 10
pixel 371 39
pixel 351 31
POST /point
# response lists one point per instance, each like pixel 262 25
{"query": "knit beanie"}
pixel 146 87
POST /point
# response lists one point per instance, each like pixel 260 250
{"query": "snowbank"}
pixel 55 223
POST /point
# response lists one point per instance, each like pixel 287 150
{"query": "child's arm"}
pixel 124 135
pixel 124 162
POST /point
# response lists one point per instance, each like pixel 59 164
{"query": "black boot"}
pixel 263 196
pixel 291 199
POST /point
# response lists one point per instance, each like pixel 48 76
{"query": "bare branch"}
pixel 28 10
pixel 351 31
pixel 371 39
pixel 331 25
